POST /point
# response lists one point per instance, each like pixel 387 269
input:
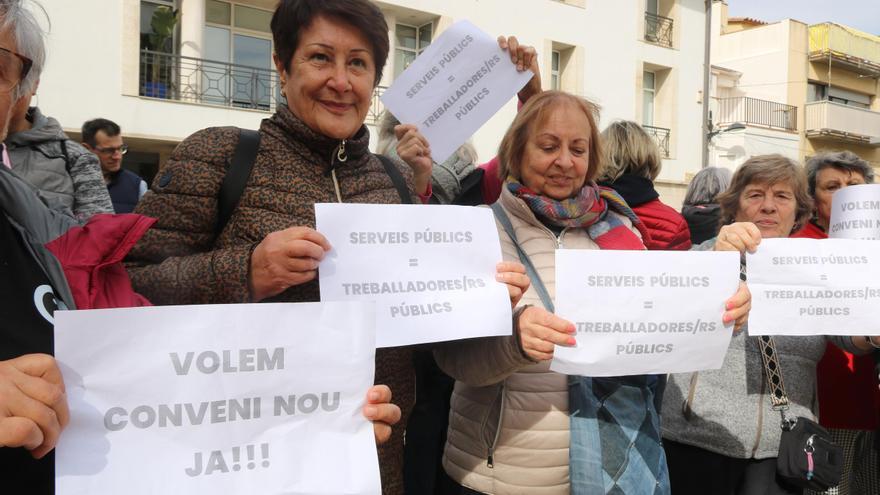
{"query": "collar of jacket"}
pixel 635 190
pixel 42 129
pixel 290 128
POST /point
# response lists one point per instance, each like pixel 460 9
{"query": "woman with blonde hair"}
pixel 515 426
pixel 632 161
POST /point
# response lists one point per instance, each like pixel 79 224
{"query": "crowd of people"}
pixel 477 416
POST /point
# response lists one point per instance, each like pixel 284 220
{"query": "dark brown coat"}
pixel 179 261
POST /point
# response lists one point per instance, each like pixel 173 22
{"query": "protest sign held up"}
pixel 243 398
pixel 855 213
pixel 627 309
pixel 454 87
pixel 430 269
pixel 815 287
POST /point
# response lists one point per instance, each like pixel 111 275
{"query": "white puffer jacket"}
pixel 504 406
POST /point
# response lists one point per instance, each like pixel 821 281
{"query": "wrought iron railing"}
pixel 658 30
pixel 195 80
pixel 752 111
pixel 176 77
pixel 661 136
pixel 376 106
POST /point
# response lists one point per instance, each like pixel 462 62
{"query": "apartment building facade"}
pixel 792 88
pixel 640 60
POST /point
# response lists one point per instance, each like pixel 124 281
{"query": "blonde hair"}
pixel 532 116
pixel 628 149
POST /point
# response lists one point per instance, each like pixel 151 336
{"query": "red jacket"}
pixel 669 230
pixel 848 394
pixel 91 257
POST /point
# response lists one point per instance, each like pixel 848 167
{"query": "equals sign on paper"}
pixel 649 304
pixel 413 262
pixel 823 277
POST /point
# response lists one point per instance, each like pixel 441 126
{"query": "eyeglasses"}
pixel 112 151
pixel 13 69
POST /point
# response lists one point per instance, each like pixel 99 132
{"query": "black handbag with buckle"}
pixel 807 456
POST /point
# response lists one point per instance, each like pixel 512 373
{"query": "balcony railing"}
pixel 376 106
pixel 854 50
pixel 841 122
pixel 175 77
pixel 658 30
pixel 209 82
pixel 761 113
pixel 661 136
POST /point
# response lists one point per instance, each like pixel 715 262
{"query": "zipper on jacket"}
pixel 490 461
pixel 337 157
pixel 560 236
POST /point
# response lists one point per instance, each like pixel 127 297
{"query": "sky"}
pixel 863 15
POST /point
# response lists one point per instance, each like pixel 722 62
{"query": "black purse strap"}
pixel 537 283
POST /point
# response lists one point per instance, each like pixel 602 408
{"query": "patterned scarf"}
pixel 599 431
pixel 588 210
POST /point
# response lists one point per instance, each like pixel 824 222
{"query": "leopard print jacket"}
pixel 182 261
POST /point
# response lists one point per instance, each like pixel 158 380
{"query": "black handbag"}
pixel 807 456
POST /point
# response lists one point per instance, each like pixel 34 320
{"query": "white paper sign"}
pixel 429 268
pixel 639 312
pixel 454 87
pixel 815 287
pixel 855 213
pixel 232 399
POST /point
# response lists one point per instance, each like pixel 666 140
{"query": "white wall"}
pixel 89 43
pixel 731 149
pixel 93 53
pixel 761 55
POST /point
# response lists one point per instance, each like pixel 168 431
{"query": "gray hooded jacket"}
pixel 66 174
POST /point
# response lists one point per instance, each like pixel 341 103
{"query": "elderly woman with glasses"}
pixel 33 406
pixel 720 432
pixel 42 154
pixel 849 400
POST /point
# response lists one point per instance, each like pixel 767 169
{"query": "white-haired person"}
pixel 700 207
pixel 39 150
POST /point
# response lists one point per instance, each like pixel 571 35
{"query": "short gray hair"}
pixel 29 39
pixel 706 185
pixel 841 160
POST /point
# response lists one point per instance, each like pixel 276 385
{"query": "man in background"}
pixel 104 138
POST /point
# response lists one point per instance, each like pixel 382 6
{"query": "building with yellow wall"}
pixel 797 88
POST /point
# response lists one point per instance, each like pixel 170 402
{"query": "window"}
pixel 411 41
pixel 158 43
pixel 554 69
pixel 150 39
pixel 648 94
pixel 652 7
pixel 239 35
pixel 822 92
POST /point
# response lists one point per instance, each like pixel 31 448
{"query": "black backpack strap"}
pixel 397 179
pixel 237 174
